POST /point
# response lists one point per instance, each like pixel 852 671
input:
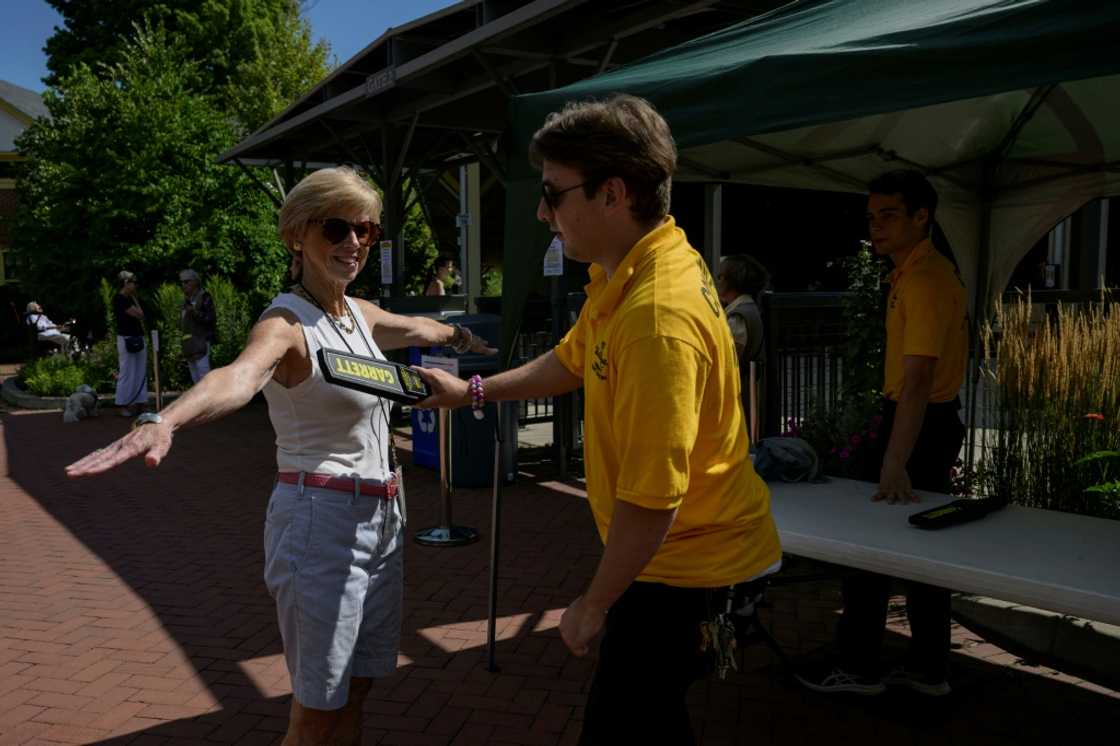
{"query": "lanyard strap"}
pixel 393 460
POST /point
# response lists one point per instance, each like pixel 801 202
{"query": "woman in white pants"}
pixel 132 353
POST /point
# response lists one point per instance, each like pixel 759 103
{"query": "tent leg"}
pixel 981 300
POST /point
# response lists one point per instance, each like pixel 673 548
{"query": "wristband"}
pixel 462 339
pixel 478 396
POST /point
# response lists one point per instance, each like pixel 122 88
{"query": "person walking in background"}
pixel 442 276
pixel 918 441
pixel 132 352
pixel 198 320
pixel 741 280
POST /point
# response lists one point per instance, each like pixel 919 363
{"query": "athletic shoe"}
pixel 831 679
pixel 931 686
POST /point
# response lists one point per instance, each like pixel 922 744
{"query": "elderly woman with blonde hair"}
pixel 339 606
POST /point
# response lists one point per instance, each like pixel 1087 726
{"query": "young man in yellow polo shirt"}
pixel 681 512
pixel 919 439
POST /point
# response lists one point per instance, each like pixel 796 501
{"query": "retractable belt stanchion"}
pixel 495 539
pixel 445 534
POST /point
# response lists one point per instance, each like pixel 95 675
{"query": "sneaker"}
pixel 831 679
pixel 931 686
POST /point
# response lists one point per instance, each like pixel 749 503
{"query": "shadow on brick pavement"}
pixel 132 610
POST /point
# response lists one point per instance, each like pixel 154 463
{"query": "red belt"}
pixel 342 484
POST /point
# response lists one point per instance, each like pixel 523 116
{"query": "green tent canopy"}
pixel 1012 107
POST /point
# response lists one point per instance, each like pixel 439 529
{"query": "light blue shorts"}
pixel 335 565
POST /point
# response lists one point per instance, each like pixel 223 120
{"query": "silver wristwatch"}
pixel 147 418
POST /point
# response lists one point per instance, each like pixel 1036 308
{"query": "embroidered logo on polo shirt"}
pixel 708 287
pixel 599 363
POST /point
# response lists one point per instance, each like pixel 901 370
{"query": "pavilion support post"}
pixel 392 218
pixel 713 226
pixel 472 269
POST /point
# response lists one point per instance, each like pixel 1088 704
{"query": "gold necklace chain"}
pixel 346 322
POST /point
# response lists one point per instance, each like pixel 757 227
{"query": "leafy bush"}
pixel 54 375
pixel 173 372
pixel 101 364
pixel 843 435
pixel 865 320
pixel 233 321
pixel 491 282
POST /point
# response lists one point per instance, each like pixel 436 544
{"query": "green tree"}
pixel 254 57
pixel 123 174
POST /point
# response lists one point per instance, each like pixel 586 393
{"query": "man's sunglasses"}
pixel 552 196
pixel 336 230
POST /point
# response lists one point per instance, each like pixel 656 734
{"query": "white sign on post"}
pixel 450 364
pixel 554 258
pixel 386 262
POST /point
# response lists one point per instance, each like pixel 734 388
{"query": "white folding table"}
pixel 1057 561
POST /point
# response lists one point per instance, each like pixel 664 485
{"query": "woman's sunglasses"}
pixel 336 230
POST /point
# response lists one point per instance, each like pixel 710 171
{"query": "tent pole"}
pixel 981 293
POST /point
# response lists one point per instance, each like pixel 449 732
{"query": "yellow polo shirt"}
pixel 927 315
pixel 663 427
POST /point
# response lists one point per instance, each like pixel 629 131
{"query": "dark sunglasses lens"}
pixel 335 230
pixel 547 197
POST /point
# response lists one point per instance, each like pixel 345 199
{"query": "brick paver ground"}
pixel 132 611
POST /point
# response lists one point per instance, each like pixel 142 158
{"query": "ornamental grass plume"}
pixel 1045 376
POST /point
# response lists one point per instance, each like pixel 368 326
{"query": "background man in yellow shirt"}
pixel 681 512
pixel 919 439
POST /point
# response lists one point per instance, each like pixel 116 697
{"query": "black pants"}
pixel 863 623
pixel 648 658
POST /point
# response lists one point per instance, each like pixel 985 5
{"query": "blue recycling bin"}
pixel 472 440
pixel 425 424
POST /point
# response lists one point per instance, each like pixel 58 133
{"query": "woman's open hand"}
pixel 151 441
pixel 481 347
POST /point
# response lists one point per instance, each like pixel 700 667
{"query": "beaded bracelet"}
pixel 478 396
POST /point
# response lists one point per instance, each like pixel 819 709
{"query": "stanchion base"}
pixel 446 536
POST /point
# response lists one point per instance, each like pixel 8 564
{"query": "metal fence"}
pixel 805 339
pixel 529 346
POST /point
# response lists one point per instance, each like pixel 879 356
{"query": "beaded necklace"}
pixel 346 322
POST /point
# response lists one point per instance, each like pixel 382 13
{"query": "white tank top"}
pixel 322 428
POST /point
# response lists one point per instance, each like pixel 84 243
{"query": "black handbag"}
pixel 134 344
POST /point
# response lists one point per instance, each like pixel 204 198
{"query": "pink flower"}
pixel 1095 416
pixel 856 440
pixel 844 453
pixel 873 435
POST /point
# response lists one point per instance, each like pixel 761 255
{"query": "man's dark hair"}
pixel 915 189
pixel 916 193
pixel 744 275
pixel 623 136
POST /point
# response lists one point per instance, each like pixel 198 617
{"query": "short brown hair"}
pixel 623 136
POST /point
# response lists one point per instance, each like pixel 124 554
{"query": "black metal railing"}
pixel 805 339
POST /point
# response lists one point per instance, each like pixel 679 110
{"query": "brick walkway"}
pixel 132 611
